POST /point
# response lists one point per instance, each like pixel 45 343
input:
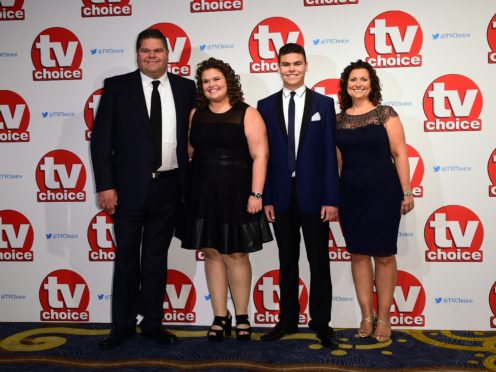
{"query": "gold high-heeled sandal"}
pixel 383 337
pixel 364 333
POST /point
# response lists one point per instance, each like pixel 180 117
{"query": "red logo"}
pixel 492 304
pixel 90 109
pixel 452 103
pixel 491 170
pixel 408 301
pixel 180 299
pixel 179 48
pixel 329 88
pixel 394 39
pixel 337 244
pixel 16 237
pixel 64 296
pixel 200 6
pixel 101 237
pixel 267 38
pixel 416 171
pixel 61 177
pixel 491 40
pixel 56 54
pixel 453 234
pixel 11 10
pixel 14 117
pixel 106 8
pixel 266 299
pixel 329 2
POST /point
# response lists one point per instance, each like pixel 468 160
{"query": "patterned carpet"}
pixel 74 347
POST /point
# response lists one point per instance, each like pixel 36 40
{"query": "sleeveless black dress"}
pixel 370 189
pixel 220 185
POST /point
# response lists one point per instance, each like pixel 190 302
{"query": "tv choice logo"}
pixel 64 296
pixel 266 296
pixel 201 6
pixel 180 298
pixel 106 8
pixel 267 38
pixel 491 170
pixel 492 304
pixel 329 88
pixel 491 40
pixel 101 237
pixel 16 237
pixel 11 10
pixel 408 301
pixel 61 177
pixel 416 171
pixel 337 243
pixel 90 109
pixel 57 54
pixel 329 2
pixel 453 233
pixel 179 46
pixel 14 117
pixel 394 39
pixel 452 103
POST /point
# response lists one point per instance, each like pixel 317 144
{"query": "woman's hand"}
pixel 407 204
pixel 254 205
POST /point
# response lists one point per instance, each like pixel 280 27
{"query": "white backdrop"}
pixel 436 61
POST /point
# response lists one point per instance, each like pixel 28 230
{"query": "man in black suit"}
pixel 139 155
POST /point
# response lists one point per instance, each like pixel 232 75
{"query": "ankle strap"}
pixel 242 319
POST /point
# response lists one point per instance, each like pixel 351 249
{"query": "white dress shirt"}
pixel 299 99
pixel 169 137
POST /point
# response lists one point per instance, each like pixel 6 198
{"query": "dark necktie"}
pixel 291 134
pixel 156 120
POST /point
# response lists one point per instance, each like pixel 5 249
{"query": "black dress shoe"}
pixel 327 338
pixel 116 337
pixel 279 330
pixel 160 335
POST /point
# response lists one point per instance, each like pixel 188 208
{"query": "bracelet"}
pixel 407 193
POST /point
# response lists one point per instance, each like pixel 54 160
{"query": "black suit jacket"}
pixel 122 145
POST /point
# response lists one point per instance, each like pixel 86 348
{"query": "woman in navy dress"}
pixel 374 190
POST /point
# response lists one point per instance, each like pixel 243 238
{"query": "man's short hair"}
pixel 292 48
pixel 151 33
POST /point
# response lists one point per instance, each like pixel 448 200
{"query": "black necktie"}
pixel 291 134
pixel 156 120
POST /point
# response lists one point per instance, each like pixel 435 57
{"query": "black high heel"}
pixel 243 334
pixel 225 323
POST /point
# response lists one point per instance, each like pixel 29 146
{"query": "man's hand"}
pixel 107 200
pixel 328 213
pixel 269 213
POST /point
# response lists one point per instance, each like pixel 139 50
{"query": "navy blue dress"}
pixel 370 189
pixel 220 185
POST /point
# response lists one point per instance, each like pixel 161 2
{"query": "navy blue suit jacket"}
pixel 122 144
pixel 316 163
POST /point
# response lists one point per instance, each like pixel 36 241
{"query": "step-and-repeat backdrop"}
pixel 437 64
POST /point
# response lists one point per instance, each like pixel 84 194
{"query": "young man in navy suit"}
pixel 301 191
pixel 139 151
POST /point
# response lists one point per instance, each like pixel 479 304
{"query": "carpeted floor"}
pixel 74 347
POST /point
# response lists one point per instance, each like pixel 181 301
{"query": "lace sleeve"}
pixel 385 112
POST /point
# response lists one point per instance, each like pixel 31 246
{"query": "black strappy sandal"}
pixel 243 334
pixel 225 323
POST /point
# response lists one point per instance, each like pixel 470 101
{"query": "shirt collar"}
pixel 299 91
pixel 148 80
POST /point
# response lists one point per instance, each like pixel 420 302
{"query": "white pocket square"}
pixel 315 117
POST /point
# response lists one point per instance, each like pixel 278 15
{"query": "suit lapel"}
pixel 280 115
pixel 138 96
pixel 175 87
pixel 305 122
